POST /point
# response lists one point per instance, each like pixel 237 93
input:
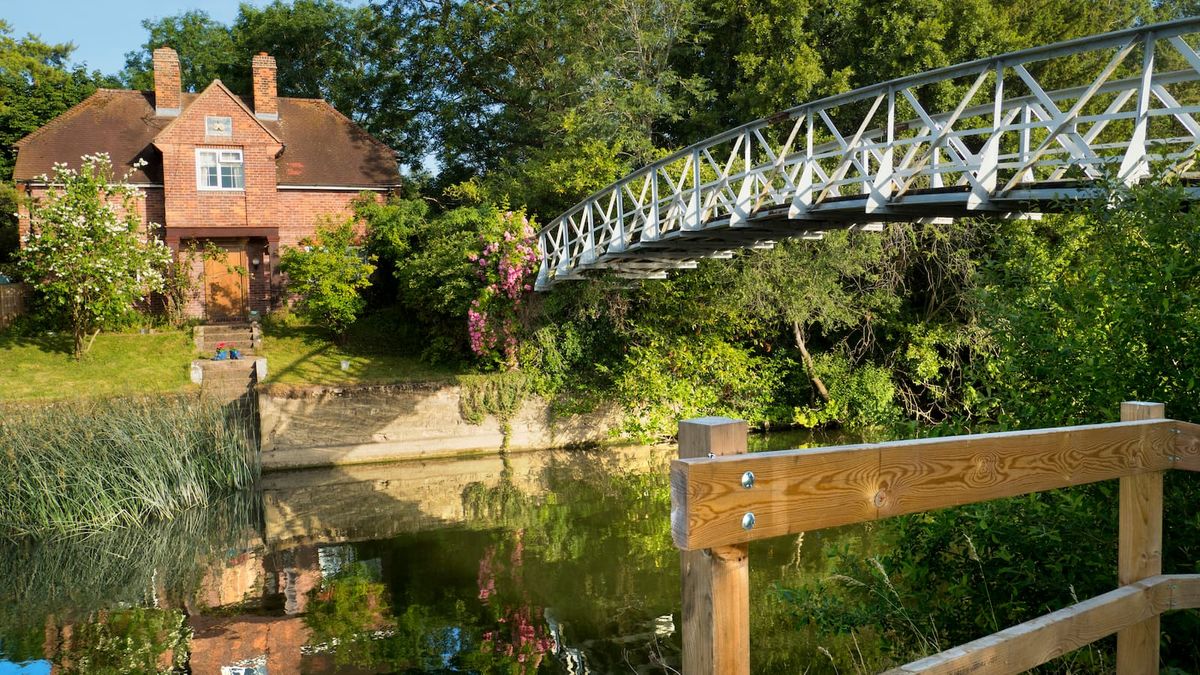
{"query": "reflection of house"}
pixel 269 644
pixel 246 174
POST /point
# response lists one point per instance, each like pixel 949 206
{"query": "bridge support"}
pixel 716 581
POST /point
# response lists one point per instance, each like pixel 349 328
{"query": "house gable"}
pixel 188 205
pixel 216 100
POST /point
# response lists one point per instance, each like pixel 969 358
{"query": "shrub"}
pixel 87 253
pixel 328 274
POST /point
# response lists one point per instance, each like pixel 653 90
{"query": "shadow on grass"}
pixel 53 343
pixel 305 354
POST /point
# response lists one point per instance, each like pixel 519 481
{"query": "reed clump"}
pixel 86 466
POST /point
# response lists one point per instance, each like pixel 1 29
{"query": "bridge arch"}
pixel 1001 143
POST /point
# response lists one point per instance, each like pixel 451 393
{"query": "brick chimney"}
pixel 168 100
pixel 266 104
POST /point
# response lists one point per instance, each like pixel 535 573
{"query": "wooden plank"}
pixel 716 582
pixel 1025 646
pixel 1139 554
pixel 1187 446
pixel 802 490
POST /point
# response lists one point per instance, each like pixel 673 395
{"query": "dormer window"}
pixel 219 170
pixel 215 125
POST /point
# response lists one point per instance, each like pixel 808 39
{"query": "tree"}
pixel 37 83
pixel 87 253
pixel 327 272
pixel 205 47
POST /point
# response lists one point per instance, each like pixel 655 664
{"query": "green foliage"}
pixel 38 82
pixel 205 47
pixel 428 256
pixel 498 394
pixel 328 274
pixel 10 239
pixel 81 467
pixel 663 382
pixel 346 608
pixel 1094 307
pixel 859 397
pixel 88 255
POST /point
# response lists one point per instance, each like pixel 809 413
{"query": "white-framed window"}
pixel 216 125
pixel 219 170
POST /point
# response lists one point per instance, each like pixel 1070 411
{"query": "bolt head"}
pixel 748 521
pixel 748 480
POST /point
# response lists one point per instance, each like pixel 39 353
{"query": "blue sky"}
pixel 103 30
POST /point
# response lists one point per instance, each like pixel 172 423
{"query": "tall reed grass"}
pixel 80 467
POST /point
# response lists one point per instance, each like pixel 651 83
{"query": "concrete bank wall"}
pixel 332 426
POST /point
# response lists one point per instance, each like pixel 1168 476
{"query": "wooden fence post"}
pixel 716 581
pixel 1140 552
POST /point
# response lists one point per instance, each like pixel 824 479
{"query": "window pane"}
pixel 207 159
pixel 210 176
pixel 230 156
pixel 231 176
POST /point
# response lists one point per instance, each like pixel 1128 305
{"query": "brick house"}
pixel 251 176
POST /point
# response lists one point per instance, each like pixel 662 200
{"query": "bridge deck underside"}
pixel 683 249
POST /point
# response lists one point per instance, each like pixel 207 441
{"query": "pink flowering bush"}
pixel 505 267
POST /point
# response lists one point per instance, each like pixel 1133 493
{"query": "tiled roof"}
pixel 321 146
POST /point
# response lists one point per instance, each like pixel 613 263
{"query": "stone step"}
pixel 245 348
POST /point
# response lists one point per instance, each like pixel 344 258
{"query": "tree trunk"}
pixel 808 362
pixel 77 331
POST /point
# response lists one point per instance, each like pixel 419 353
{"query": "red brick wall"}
pixel 188 206
pixel 301 211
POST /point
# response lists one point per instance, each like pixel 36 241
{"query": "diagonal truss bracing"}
pixel 1010 134
pixel 988 136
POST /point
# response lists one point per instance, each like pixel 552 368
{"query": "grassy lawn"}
pixel 119 363
pixel 307 355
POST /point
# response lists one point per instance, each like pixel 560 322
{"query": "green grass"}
pixel 42 367
pixel 298 354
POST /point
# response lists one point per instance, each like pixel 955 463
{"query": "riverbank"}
pixel 321 426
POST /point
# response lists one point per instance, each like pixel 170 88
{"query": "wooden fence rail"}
pixel 12 302
pixel 722 498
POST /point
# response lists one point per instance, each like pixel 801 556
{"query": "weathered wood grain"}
pixel 1139 554
pixel 1187 446
pixel 716 582
pixel 1027 645
pixel 802 490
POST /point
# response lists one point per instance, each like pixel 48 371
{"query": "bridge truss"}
pixel 984 137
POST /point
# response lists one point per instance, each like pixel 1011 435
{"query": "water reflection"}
pixel 549 562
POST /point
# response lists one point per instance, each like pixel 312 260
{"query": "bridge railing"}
pixel 721 499
pixel 980 136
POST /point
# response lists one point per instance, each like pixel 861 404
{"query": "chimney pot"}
pixel 266 100
pixel 168 97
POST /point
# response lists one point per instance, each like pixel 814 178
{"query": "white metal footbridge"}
pixel 1020 133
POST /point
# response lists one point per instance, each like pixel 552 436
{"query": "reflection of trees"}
pixel 75 580
pixel 600 536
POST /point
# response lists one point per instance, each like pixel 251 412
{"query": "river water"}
pixel 542 562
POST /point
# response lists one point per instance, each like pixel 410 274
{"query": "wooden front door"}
pixel 225 288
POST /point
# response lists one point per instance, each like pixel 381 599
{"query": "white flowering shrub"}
pixel 87 253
